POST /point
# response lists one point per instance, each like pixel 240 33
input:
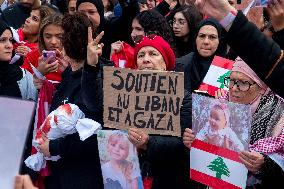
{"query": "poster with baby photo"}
pixel 221 131
pixel 221 123
pixel 119 160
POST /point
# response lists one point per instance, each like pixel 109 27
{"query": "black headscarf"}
pixel 100 8
pixel 9 74
pixel 200 65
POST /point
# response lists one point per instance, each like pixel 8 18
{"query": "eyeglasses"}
pixel 180 22
pixel 139 38
pixel 241 85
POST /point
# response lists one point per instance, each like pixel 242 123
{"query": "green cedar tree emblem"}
pixel 221 79
pixel 218 165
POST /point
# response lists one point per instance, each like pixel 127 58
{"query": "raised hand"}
pixel 276 12
pixel 94 48
pixel 217 9
pixel 116 47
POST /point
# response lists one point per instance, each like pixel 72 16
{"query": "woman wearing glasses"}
pixel 184 25
pixel 265 159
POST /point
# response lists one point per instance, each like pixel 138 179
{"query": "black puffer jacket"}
pixel 79 166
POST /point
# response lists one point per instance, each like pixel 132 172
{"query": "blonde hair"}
pixel 126 166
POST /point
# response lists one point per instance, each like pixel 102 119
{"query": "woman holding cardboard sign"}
pixel 163 158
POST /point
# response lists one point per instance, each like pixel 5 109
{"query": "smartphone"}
pixel 47 54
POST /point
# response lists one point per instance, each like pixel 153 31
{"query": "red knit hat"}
pixel 162 46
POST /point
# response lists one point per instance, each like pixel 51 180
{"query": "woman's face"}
pixel 137 30
pixel 217 119
pixel 91 11
pixel 6 46
pixel 180 25
pixel 150 58
pixel 31 26
pixel 52 37
pixel 72 7
pixel 207 41
pixel 243 97
pixel 118 149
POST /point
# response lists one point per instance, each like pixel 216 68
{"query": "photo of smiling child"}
pixel 218 131
pixel 119 161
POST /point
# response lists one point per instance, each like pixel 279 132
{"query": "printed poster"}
pixel 222 131
pixel 119 161
pixel 15 118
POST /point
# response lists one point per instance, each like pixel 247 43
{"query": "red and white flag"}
pixel 218 71
pixel 216 167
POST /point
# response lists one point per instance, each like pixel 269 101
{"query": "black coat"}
pixel 278 37
pixel 166 159
pixel 258 51
pixel 79 166
pixel 9 76
pixel 15 15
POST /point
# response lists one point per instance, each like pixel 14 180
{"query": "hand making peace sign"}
pixel 94 48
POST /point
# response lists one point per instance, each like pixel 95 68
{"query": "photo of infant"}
pixel 221 123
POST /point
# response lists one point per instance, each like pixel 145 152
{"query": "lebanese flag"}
pixel 214 79
pixel 216 167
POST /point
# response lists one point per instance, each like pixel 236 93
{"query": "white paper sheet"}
pixel 15 117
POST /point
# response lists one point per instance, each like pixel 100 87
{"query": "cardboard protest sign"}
pixel 222 130
pixel 218 71
pixel 15 118
pixel 119 160
pixel 143 99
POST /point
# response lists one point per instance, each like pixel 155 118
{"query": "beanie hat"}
pixel 3 27
pixel 162 46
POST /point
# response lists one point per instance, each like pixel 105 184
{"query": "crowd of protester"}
pixel 162 35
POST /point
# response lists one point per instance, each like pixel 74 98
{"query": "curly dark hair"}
pixel 55 19
pixel 153 21
pixel 75 39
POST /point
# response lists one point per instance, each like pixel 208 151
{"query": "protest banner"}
pixel 119 160
pixel 218 71
pixel 143 99
pixel 214 157
pixel 15 118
